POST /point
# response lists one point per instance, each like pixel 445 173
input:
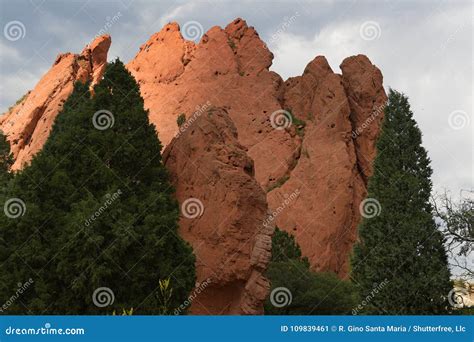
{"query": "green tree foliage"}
pixel 312 293
pixel 99 211
pixel 401 244
pixel 6 161
pixel 181 119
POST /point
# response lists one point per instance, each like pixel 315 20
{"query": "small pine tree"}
pixel 100 212
pixel 401 246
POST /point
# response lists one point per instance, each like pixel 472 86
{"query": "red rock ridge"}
pixel 27 124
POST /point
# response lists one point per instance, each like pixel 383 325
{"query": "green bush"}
pixel 312 293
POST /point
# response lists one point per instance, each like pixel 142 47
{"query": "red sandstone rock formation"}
pixel 232 245
pixel 27 124
pixel 315 173
pixel 327 162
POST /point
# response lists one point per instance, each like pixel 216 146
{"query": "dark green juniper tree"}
pixel 311 293
pixel 99 212
pixel 401 247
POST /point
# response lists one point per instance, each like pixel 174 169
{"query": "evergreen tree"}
pixel 6 161
pixel 401 247
pixel 99 212
pixel 296 290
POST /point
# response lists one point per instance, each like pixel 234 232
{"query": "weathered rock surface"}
pixel 327 162
pixel 223 209
pixel 314 171
pixel 28 123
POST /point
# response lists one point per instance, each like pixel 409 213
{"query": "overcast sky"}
pixel 424 49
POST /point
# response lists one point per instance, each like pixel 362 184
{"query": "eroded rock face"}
pixel 223 212
pixel 313 172
pixel 28 123
pixel 326 163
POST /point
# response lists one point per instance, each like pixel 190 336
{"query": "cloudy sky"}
pixel 424 49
